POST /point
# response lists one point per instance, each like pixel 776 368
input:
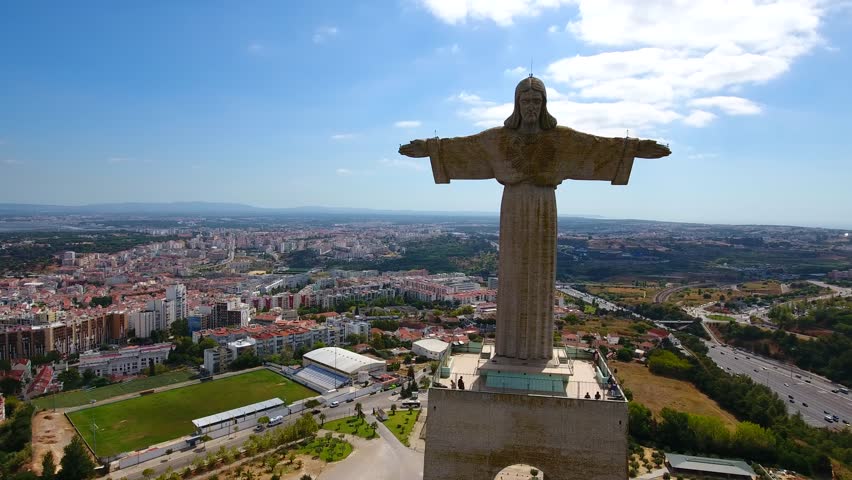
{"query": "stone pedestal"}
pixel 472 435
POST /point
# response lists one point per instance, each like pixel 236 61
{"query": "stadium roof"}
pixel 237 412
pixel 714 465
pixel 342 360
pixel 432 344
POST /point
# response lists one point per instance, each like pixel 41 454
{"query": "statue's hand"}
pixel 652 149
pixel 415 149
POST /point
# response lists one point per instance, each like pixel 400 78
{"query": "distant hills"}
pixel 213 209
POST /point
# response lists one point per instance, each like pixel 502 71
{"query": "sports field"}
pixel 82 397
pixel 142 421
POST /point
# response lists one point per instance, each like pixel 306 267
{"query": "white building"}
pixel 356 327
pixel 142 322
pixel 164 313
pixel 431 348
pixel 177 295
pixel 125 361
pixel 343 361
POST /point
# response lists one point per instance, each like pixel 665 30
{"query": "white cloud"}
pixel 322 34
pixel 515 72
pixel 699 118
pixel 11 161
pixel 118 160
pixel 553 29
pixel 702 156
pixel 600 118
pixel 453 49
pixel 256 48
pixel 343 136
pixel 729 105
pixel 407 124
pixel 472 99
pixel 404 163
pixel 343 172
pixel 671 60
pixel 501 12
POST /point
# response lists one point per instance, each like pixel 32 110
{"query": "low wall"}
pixel 473 435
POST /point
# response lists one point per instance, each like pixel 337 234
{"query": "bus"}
pixel 275 421
pixel 411 403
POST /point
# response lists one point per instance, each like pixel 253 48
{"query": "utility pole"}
pixel 95 436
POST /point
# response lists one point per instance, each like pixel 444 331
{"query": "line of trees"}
pixel 781 439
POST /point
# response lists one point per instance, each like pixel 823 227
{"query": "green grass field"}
pixel 352 426
pixel 401 423
pixel 142 421
pixel 722 318
pixel 81 397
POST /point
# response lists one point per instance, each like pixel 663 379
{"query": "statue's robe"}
pixel 529 167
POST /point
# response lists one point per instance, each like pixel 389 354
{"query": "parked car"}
pixel 258 428
pixel 334 404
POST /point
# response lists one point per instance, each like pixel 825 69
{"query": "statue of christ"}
pixel 530 156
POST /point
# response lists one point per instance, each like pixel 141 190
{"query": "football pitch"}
pixel 143 421
pixel 82 397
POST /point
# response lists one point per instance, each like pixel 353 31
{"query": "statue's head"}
pixel 530 106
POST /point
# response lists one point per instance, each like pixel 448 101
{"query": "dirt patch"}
pixel 51 433
pixel 656 392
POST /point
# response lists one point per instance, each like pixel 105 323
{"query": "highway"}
pixel 805 387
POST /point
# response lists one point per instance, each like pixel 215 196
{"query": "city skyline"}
pixel 287 106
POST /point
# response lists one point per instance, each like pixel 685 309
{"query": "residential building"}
pixel 177 295
pixel 125 361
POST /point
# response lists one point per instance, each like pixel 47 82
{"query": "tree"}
pixel 306 477
pixel 48 466
pixel 624 354
pixel 263 420
pixel 374 426
pixel 411 371
pixel 640 421
pixel 76 464
pixel 148 472
pixel 322 418
pixel 359 410
pixel 393 408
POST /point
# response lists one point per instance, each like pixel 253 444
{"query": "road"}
pixel 178 460
pixel 386 459
pixel 805 387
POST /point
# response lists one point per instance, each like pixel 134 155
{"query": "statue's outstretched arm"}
pixel 458 158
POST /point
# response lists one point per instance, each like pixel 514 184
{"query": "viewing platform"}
pixel 570 373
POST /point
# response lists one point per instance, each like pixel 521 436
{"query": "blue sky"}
pixel 287 104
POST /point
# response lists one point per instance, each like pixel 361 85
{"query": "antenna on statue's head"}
pixel 436 133
pixel 627 133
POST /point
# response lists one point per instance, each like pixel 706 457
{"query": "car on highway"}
pixel 835 418
pixel 790 397
pixel 845 422
pixel 804 404
pixel 807 381
pixel 792 401
pixel 786 384
pixel 835 391
pixel 721 353
pixel 826 412
pixel 334 404
pixel 828 418
pixel 756 370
